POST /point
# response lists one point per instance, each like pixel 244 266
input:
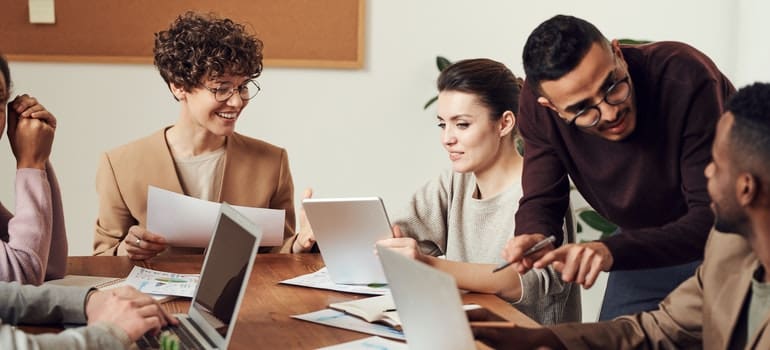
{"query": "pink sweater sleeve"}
pixel 57 257
pixel 26 242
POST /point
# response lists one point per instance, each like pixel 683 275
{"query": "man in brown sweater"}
pixel 725 304
pixel 632 126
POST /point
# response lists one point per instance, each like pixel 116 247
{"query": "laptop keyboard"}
pixel 186 340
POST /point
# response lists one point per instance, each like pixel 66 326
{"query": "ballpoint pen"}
pixel 534 249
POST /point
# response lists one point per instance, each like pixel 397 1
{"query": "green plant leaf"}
pixel 597 222
pixel 430 102
pixel 519 145
pixel 442 63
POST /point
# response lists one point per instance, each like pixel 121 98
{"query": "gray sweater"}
pixel 47 304
pixel 446 219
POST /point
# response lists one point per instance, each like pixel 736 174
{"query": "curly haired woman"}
pixel 210 65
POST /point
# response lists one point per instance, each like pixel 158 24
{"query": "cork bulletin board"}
pixel 296 33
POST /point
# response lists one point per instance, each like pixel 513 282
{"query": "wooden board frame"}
pixel 296 33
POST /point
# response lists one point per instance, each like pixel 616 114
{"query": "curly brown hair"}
pixel 203 46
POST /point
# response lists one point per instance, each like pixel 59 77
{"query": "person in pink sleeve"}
pixel 33 241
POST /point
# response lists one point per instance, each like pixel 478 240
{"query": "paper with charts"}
pixel 371 343
pixel 189 222
pixel 321 280
pixel 163 283
pixel 340 319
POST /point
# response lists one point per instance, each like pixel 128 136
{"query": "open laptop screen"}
pixel 223 276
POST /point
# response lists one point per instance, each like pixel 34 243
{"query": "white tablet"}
pixel 346 230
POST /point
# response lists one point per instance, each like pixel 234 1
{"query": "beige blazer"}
pixel 256 174
pixel 700 314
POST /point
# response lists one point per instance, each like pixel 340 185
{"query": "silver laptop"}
pixel 225 274
pixel 346 230
pixel 428 304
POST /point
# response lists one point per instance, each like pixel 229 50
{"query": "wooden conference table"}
pixel 264 320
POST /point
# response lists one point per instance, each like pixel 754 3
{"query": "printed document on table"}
pixel 340 319
pixel 189 222
pixel 371 343
pixel 321 280
pixel 163 283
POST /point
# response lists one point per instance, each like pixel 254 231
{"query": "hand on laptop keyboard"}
pixel 128 309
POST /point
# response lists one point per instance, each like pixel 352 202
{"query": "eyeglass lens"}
pixel 616 94
pixel 246 91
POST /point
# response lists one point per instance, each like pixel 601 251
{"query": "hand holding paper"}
pixel 189 222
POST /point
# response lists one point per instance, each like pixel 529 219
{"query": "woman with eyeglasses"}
pixel 33 241
pixel 210 65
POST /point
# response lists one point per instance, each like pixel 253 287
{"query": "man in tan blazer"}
pixel 725 304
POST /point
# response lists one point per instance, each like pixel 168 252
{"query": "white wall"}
pixel 359 132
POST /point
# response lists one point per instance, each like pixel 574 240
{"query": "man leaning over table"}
pixel 632 126
pixel 725 304
pixel 115 318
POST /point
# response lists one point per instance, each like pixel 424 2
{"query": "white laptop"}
pixel 225 274
pixel 346 230
pixel 428 304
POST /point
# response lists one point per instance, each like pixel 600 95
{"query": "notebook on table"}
pixel 428 304
pixel 210 321
pixel 346 230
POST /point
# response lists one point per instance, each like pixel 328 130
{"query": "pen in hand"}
pixel 534 249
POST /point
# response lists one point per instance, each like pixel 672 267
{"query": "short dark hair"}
pixel 6 74
pixel 556 47
pixel 749 142
pixel 196 47
pixel 494 84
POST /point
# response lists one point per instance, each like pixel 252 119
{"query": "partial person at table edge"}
pixel 33 239
pixel 115 318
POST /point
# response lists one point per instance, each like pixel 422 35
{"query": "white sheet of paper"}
pixel 321 280
pixel 371 343
pixel 189 222
pixel 340 319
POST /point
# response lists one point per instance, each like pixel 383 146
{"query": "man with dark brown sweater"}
pixel 725 304
pixel 632 126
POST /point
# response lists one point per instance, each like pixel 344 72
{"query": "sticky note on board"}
pixel 42 11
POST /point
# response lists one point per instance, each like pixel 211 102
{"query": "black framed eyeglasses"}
pixel 247 91
pixel 616 94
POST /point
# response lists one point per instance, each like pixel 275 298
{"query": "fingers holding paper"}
pixel 141 244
